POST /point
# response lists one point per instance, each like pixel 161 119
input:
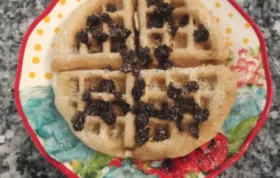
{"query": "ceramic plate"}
pixel 49 131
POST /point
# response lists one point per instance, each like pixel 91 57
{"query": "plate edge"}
pixel 265 112
pixel 212 174
pixel 21 113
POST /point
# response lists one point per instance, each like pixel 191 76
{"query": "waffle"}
pixel 72 55
pixel 186 50
pixel 217 92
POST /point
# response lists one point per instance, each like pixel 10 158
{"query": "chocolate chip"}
pixel 82 36
pixel 141 120
pixel 161 14
pixel 130 60
pixel 127 53
pixel 161 134
pixel 164 10
pixel 106 86
pixel 173 114
pixel 78 121
pixel 148 109
pixel 96 107
pixel 144 56
pixel 201 115
pixel 139 89
pixel 127 67
pixel 153 2
pixel 173 92
pixel 118 96
pixel 136 71
pixel 137 108
pixel 179 124
pixel 155 21
pixel 124 105
pixel 119 32
pixel 126 33
pixel 192 86
pixel 93 21
pixel 111 7
pixel 173 27
pixel 167 113
pixel 142 136
pixel 162 54
pixel 108 117
pixel 117 45
pixel 194 130
pixel 91 109
pixel 167 65
pixel 157 37
pixel 128 64
pixel 184 21
pixel 186 104
pixel 201 34
pixel 105 17
pixel 164 106
pixel 178 117
pixel 167 164
pixel 87 96
pixel 99 36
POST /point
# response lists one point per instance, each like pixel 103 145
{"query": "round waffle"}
pixel 132 79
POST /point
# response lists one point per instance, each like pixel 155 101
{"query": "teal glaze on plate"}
pixel 249 103
pixel 58 140
pixel 156 164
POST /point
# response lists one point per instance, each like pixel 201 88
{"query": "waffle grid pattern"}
pixel 117 17
pixel 80 70
pixel 120 137
pixel 72 55
pixel 186 51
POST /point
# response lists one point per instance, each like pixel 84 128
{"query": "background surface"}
pixel 19 156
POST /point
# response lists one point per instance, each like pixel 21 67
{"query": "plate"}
pixel 35 102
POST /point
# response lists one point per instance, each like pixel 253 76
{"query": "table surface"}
pixel 19 156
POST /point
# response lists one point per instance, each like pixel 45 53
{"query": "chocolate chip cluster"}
pixel 172 112
pixel 100 108
pixel 117 32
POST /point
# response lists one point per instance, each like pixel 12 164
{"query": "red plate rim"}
pixel 212 174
